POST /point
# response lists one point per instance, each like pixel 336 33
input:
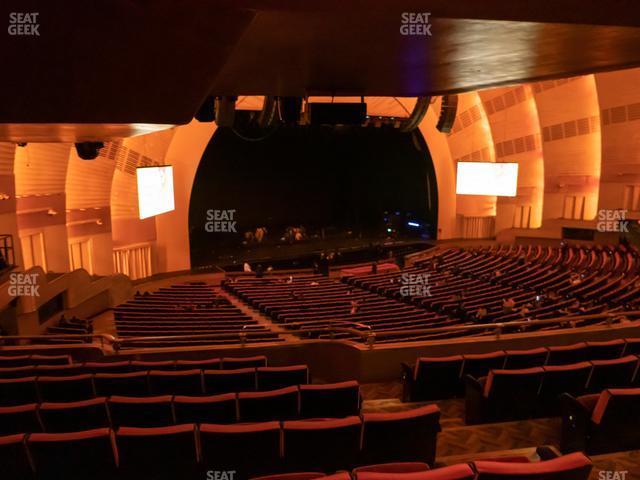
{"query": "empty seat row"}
pixel 188 451
pixel 309 401
pixel 15 391
pixel 126 366
pixel 574 466
pixel 519 394
pixel 435 378
pixel 33 359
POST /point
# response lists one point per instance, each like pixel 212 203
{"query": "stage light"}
pixel 413 224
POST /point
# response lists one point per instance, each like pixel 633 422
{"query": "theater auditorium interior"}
pixel 339 239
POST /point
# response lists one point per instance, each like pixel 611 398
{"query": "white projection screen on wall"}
pixel 155 190
pixel 487 178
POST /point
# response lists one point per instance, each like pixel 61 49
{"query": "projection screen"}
pixel 155 190
pixel 487 178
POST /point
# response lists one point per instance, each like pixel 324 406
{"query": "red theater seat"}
pixel 272 378
pixel 616 373
pixel 144 365
pixel 227 381
pixel 561 379
pixel 15 361
pixel 575 466
pixel 60 370
pixel 18 372
pixel 107 367
pixel 185 382
pixel 14 459
pixel 229 363
pixel 332 400
pixel 518 359
pixel 141 412
pixel 132 384
pixel 18 391
pixel 401 436
pixel 158 453
pixel 603 423
pixel 454 472
pixel 398 467
pixel 480 364
pixel 75 416
pixel 297 476
pixel 249 449
pixel 19 419
pixel 208 364
pixel 503 395
pixel 605 350
pixel 50 359
pixel 432 378
pixel 66 389
pixel 323 445
pixel 90 454
pixel 632 347
pixel 279 404
pixel 211 409
pixel 568 354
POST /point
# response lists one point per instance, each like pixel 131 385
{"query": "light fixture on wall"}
pixel 51 212
pixel 4 196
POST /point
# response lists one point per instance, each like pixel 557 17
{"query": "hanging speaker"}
pixel 447 113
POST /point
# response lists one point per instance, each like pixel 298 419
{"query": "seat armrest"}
pixel 576 421
pixel 474 401
pixel 407 382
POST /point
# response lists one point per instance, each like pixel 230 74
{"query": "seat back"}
pixel 75 416
pixel 211 409
pixel 250 449
pixel 18 372
pixel 395 467
pixel 14 458
pixel 145 365
pixel 36 359
pixel 453 472
pixel 15 361
pixel 228 381
pixel 141 412
pixel 413 432
pixel 19 419
pixel 206 364
pixel 66 389
pixel 512 394
pixel 184 382
pixel 575 466
pixel 605 350
pixel 617 418
pixel 480 364
pixel 561 379
pixel 333 400
pixel 437 378
pixel 132 384
pixel 161 452
pixel 59 370
pixel 323 445
pixel 64 455
pixel 273 378
pixel 234 363
pixel 279 404
pixel 18 391
pixel 520 359
pixel 567 354
pixel 123 366
pixel 632 347
pixel 616 373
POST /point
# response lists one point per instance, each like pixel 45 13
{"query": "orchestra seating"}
pixel 543 282
pixel 186 309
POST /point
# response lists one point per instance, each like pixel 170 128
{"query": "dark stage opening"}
pixel 310 189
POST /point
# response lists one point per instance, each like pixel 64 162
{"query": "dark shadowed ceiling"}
pixel 129 63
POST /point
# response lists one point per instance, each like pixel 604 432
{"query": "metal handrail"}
pixel 369 336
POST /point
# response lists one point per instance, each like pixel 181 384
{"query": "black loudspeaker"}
pixel 207 111
pixel 337 113
pixel 447 113
pixel 89 150
pixel 290 109
pixel 225 111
